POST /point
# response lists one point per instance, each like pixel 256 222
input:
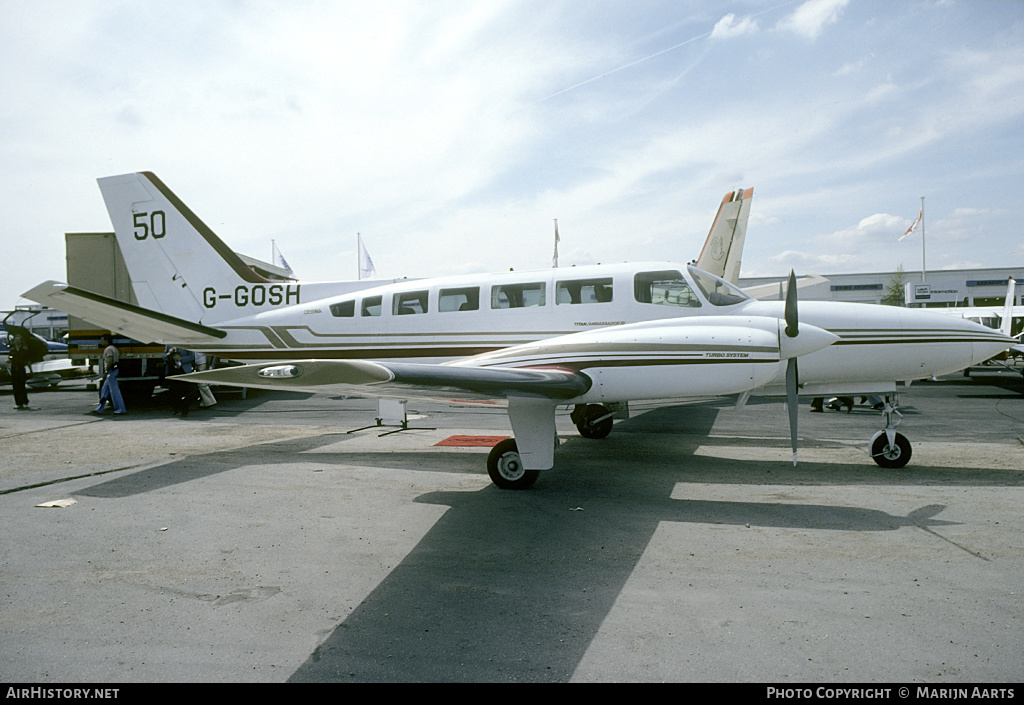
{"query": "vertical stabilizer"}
pixel 1006 325
pixel 723 249
pixel 177 265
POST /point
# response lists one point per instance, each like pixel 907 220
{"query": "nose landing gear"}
pixel 890 449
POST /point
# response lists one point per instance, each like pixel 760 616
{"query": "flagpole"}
pixel 359 256
pixel 923 275
pixel 554 258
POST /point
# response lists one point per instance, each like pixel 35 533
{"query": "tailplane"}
pixel 178 266
pixel 724 247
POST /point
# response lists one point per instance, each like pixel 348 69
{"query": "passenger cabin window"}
pixel 467 299
pixel 518 295
pixel 718 291
pixel 667 288
pixel 584 291
pixel 408 302
pixel 345 309
pixel 371 306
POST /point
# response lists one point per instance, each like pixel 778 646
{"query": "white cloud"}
pixel 850 67
pixel 728 27
pixel 870 231
pixel 814 263
pixel 810 19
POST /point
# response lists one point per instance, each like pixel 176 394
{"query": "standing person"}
pixel 178 361
pixel 110 391
pixel 20 368
pixel 206 398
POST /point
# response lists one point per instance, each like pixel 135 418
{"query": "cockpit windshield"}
pixel 717 291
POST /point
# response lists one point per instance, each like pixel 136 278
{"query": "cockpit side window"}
pixel 718 291
pixel 667 287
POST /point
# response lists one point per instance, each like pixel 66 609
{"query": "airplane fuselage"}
pixel 451 318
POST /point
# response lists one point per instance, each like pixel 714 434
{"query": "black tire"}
pixel 506 469
pixel 886 456
pixel 587 426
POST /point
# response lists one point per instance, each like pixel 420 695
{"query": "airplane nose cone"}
pixel 958 343
pixel 807 340
pixel 986 350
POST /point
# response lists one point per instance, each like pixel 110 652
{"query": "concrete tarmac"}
pixel 259 541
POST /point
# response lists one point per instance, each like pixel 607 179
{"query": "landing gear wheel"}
pixel 890 456
pixel 593 421
pixel 506 468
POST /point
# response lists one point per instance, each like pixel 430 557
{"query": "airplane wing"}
pixel 530 394
pixel 138 323
pixel 398 379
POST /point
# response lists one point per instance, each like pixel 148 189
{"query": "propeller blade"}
pixel 792 401
pixel 791 317
pixel 792 374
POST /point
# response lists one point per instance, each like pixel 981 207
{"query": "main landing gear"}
pixel 592 420
pixel 506 468
pixel 890 449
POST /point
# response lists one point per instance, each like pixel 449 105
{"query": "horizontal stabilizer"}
pixel 398 379
pixel 777 290
pixel 133 321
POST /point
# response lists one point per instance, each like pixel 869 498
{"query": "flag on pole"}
pixel 913 226
pixel 366 268
pixel 554 257
pixel 279 258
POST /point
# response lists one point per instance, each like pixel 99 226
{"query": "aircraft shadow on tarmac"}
pixel 514 586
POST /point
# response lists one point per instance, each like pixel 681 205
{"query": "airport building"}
pixel 942 288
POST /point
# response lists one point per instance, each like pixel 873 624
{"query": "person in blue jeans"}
pixel 110 391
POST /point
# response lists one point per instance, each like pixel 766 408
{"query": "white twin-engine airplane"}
pixel 592 337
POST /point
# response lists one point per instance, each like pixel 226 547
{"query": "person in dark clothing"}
pixel 18 361
pixel 178 361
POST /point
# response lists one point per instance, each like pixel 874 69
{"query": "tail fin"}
pixel 724 246
pixel 1006 325
pixel 177 265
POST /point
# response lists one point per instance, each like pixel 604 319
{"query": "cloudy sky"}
pixel 451 134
